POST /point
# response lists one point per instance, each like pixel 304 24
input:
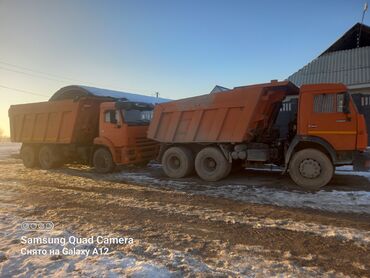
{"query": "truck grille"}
pixel 146 149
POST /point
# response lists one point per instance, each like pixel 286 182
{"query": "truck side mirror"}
pixel 346 100
pixel 346 110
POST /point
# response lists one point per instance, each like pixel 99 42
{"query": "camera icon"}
pixel 37 225
pixel 25 226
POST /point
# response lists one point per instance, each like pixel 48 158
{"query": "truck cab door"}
pixel 111 125
pixel 333 118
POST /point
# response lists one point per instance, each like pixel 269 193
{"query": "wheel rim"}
pixel 310 168
pixel 174 162
pixel 209 164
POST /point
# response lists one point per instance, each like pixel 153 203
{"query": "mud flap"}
pixel 361 161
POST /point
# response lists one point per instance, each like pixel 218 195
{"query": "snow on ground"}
pixel 348 234
pixel 8 149
pixel 153 261
pixel 16 264
pixel 334 200
pixel 356 201
pixel 348 170
pixel 244 261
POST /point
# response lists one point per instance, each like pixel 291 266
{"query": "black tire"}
pixel 211 164
pixel 48 157
pixel 103 161
pixel 311 169
pixel 29 156
pixel 178 162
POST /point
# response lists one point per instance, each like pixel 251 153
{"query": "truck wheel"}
pixel 29 156
pixel 178 162
pixel 211 164
pixel 48 158
pixel 103 161
pixel 311 169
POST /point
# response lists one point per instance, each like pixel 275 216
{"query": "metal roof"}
pixel 357 36
pixel 74 91
pixel 219 89
pixel 351 67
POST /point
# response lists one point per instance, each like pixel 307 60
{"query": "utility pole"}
pixel 362 21
pixel 157 95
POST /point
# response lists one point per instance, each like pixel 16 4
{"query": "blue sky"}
pixel 178 48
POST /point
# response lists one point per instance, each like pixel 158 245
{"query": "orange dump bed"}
pixel 64 121
pixel 233 116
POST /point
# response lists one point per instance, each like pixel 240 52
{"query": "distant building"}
pixel 76 91
pixel 219 89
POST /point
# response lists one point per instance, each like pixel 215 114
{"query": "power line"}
pixel 39 72
pixel 49 76
pixel 33 75
pixel 23 91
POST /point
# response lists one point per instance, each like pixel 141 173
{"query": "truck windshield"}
pixel 134 116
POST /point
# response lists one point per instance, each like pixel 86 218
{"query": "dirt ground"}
pixel 254 224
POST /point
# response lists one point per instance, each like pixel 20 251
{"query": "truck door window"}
pixel 340 102
pixel 111 116
pixel 324 103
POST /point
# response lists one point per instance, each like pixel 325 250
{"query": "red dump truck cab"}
pixel 122 129
pixel 327 111
pixel 79 127
pixel 216 132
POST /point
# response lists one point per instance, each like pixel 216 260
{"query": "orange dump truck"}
pixel 214 133
pixel 87 125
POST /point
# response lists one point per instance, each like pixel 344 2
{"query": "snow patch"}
pixel 15 264
pixel 8 149
pixel 360 237
pixel 333 201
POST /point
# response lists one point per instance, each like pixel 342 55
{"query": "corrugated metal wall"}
pixel 347 66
